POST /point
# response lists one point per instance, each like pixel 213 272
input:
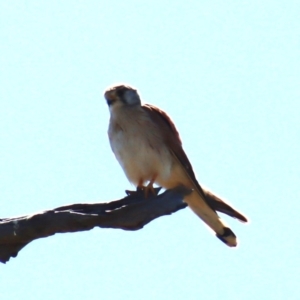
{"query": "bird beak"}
pixel 110 97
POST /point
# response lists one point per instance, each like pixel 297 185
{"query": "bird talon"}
pixel 130 193
pixel 140 188
pixel 149 189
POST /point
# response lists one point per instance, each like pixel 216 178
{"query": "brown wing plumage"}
pixel 214 202
pixel 161 117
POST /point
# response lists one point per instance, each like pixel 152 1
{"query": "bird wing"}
pixel 172 137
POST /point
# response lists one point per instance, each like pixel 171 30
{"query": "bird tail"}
pixel 220 205
pixel 201 207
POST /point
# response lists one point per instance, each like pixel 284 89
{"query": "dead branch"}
pixel 130 213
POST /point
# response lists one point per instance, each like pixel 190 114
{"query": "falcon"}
pixel 147 145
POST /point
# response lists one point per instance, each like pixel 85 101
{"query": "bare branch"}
pixel 130 213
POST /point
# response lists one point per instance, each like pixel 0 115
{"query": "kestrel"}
pixel 147 145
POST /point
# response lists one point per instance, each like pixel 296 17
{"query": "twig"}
pixel 130 213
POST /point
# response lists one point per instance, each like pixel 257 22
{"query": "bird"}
pixel 148 147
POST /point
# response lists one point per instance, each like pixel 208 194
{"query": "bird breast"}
pixel 139 146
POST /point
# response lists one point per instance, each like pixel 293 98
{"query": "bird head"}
pixel 120 95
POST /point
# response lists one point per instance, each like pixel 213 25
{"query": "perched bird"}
pixel 147 145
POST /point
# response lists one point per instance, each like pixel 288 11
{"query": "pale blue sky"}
pixel 228 74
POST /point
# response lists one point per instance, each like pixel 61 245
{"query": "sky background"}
pixel 227 72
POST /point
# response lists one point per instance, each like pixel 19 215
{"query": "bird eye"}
pixel 109 102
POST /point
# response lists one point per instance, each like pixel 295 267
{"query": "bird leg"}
pixel 140 186
pixel 148 188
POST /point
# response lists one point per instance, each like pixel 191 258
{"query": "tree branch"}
pixel 130 213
